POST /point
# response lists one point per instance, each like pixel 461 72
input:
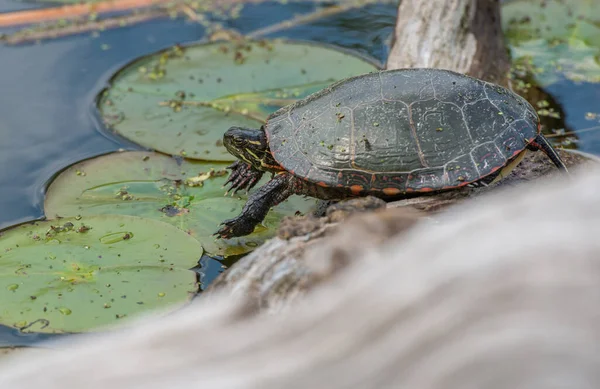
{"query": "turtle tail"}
pixel 541 143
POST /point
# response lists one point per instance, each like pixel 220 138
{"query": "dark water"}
pixel 47 118
pixel 579 99
pixel 46 110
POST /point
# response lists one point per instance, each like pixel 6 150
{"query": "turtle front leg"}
pixel 278 189
pixel 243 175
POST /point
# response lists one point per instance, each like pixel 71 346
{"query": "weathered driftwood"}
pixel 281 271
pixel 461 35
pixel 505 296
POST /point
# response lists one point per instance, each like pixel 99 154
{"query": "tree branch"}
pixel 460 35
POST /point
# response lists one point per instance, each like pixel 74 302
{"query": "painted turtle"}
pixel 390 134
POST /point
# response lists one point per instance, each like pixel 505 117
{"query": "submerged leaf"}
pixel 181 101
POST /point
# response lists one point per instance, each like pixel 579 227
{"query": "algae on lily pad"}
pixel 557 39
pixel 84 273
pixel 185 193
pixel 182 100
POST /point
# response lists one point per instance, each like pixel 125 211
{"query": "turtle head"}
pixel 249 145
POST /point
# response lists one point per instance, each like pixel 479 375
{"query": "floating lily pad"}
pixel 181 101
pixel 557 39
pixel 187 194
pixel 81 274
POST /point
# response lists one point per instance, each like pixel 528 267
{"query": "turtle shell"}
pixel 398 131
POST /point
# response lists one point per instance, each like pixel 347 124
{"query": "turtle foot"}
pixel 243 176
pixel 235 227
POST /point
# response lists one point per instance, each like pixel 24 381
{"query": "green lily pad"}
pixel 82 274
pixel 181 101
pixel 159 187
pixel 556 39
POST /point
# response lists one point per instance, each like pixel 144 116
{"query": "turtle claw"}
pixel 236 170
pixel 243 176
pixel 233 228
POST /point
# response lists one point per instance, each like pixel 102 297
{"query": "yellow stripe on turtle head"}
pixel 252 154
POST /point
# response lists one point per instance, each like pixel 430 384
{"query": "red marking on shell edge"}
pixel 494 169
pixel 426 190
pixel 457 185
pixel 356 189
pixel 409 190
pixel 539 127
pixel 390 191
pixel 321 183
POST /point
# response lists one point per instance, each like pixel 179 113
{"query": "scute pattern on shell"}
pixel 408 129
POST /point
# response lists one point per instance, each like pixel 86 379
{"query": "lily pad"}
pixel 85 273
pixel 181 101
pixel 186 193
pixel 556 39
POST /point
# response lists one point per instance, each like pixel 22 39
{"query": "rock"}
pixel 277 273
pixel 292 226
